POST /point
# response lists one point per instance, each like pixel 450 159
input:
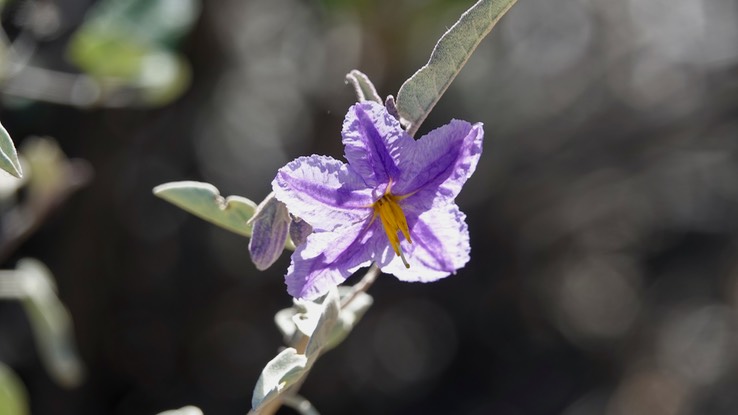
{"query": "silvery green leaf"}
pixel 419 94
pixel 13 395
pixel 331 308
pixel 204 200
pixel 8 156
pixel 51 324
pixel 187 410
pixel 307 316
pixel 270 225
pixel 278 375
pixel 349 316
pixel 363 87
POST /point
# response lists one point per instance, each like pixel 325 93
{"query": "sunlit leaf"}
pixel 322 334
pixel 204 200
pixel 13 395
pixel 420 93
pixel 8 156
pixel 278 375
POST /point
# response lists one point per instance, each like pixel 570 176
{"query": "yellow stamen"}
pixel 393 221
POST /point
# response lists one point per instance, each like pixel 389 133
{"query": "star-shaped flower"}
pixel 392 204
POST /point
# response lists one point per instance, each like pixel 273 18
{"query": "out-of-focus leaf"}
pixel 419 94
pixel 50 171
pixel 8 156
pixel 204 200
pixel 13 396
pixel 51 324
pixel 364 88
pixel 132 42
pixel 278 375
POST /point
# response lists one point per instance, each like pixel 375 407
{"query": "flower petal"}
pixel 439 163
pixel 440 245
pixel 373 138
pixel 323 191
pixel 329 258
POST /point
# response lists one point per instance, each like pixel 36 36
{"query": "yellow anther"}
pixel 393 221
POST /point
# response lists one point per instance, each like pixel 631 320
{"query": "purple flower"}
pixel 393 203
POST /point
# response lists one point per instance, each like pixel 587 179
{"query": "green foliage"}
pixel 204 200
pixel 13 396
pixel 420 93
pixel 8 156
pixel 132 41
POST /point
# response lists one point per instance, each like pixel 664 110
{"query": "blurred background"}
pixel 603 214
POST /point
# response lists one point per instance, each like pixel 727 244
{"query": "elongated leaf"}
pixel 204 200
pixel 278 375
pixel 51 324
pixel 8 156
pixel 419 94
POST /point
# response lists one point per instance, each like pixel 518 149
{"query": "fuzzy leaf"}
pixel 364 88
pixel 350 315
pixel 322 334
pixel 420 93
pixel 8 156
pixel 204 200
pixel 278 375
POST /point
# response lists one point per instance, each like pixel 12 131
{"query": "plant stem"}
pixel 361 286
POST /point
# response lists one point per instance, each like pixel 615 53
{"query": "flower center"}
pixel 393 219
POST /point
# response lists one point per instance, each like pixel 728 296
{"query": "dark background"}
pixel 603 216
